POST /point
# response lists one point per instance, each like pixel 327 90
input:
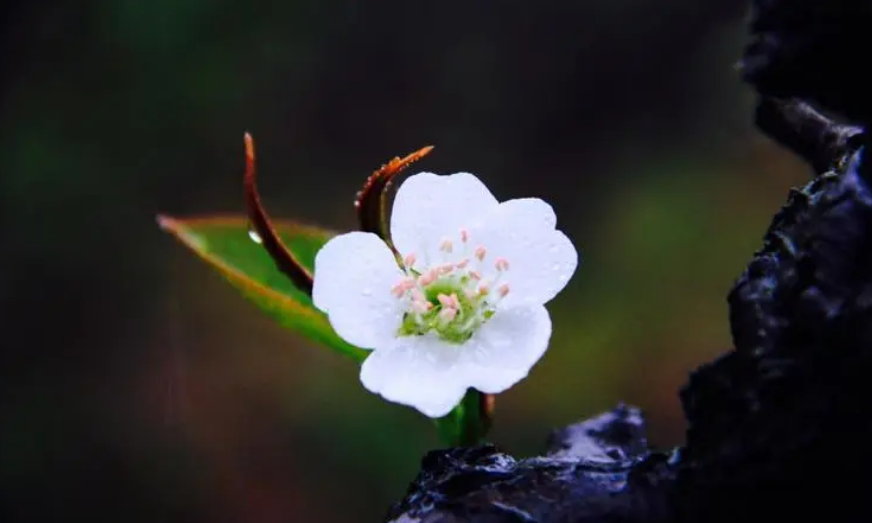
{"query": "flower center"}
pixel 450 298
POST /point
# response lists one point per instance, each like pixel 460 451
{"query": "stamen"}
pixel 451 318
pixel 442 270
pixel 427 278
pixel 446 246
pixel 405 285
pixel 448 314
pixel 445 300
pixel 455 303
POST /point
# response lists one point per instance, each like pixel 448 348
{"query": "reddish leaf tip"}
pixel 423 151
pixel 371 201
pixel 166 223
pixel 283 258
pixel 249 147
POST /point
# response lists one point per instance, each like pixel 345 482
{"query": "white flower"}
pixel 465 308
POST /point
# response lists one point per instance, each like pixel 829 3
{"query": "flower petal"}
pixel 419 371
pixel 505 348
pixel 429 207
pixel 354 274
pixel 541 259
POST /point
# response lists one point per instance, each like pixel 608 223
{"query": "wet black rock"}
pixel 600 470
pixel 814 50
pixel 779 428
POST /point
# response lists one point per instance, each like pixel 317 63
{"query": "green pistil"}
pixel 471 314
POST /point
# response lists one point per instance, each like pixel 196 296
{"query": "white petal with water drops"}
pixel 429 207
pixel 504 350
pixel 416 371
pixel 354 273
pixel 542 258
pixel 468 311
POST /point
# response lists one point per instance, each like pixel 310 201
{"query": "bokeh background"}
pixel 136 385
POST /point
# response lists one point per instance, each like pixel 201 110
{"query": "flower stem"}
pixel 469 422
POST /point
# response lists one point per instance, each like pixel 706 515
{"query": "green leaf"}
pixel 225 244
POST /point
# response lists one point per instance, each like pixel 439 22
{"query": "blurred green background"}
pixel 136 385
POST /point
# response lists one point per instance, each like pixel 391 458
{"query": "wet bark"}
pixel 779 428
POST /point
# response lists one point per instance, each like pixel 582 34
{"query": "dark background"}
pixel 136 385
